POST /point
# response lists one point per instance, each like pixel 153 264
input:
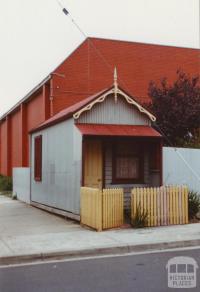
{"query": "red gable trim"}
pixel 117 130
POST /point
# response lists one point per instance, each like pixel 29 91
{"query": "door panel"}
pixel 93 163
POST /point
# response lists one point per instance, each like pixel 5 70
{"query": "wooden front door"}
pixel 93 164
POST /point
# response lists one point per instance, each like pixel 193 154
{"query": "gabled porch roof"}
pixel 77 109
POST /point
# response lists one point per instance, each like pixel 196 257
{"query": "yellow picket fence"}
pixel 91 207
pixel 102 209
pixel 113 208
pixel 165 205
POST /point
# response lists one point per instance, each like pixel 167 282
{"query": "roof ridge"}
pixel 140 43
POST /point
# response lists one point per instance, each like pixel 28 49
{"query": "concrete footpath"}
pixel 29 234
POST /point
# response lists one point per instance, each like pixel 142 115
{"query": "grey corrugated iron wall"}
pixel 61 168
pixel 175 171
pixel 110 112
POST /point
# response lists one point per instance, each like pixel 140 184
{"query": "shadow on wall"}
pixel 181 168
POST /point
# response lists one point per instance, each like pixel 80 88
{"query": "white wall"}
pixel 175 171
pixel 21 183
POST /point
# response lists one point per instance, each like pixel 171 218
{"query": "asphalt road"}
pixel 145 272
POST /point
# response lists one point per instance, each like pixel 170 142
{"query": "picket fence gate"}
pixel 102 209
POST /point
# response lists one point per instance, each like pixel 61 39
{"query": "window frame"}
pixel 38 158
pixel 140 179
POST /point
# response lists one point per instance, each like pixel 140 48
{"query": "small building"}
pixel 106 140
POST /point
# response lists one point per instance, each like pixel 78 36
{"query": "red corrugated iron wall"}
pixel 83 73
pixel 3 156
pixel 14 138
pixel 15 155
pixel 88 70
pixel 35 111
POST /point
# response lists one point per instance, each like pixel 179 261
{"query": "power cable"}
pixel 178 153
pixel 108 65
pixel 66 12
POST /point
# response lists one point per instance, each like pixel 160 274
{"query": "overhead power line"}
pixel 178 153
pixel 108 65
pixel 66 12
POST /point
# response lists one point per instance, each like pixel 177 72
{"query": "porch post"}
pixel 161 162
pixel 103 162
pixel 83 162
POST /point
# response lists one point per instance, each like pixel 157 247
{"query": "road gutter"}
pixel 110 250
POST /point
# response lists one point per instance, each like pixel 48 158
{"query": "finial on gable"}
pixel 115 84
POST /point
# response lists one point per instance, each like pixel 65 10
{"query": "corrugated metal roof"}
pixel 26 97
pixel 117 130
pixel 68 112
pixel 128 56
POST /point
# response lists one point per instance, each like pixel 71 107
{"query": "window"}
pixel 127 162
pixel 38 158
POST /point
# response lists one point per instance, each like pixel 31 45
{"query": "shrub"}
pixel 14 196
pixel 140 218
pixel 5 183
pixel 193 204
